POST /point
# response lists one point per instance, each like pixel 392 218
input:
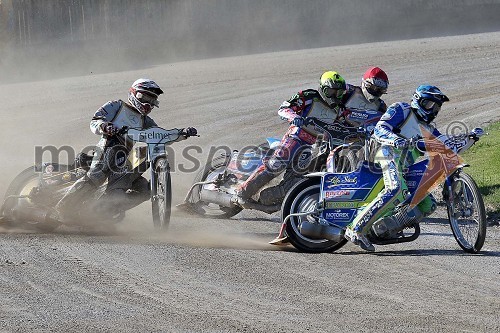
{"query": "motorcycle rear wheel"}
pixel 22 185
pixel 467 214
pixel 304 197
pixel 162 203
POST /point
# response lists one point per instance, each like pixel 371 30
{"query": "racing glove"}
pixel 400 143
pixel 476 133
pixel 300 121
pixel 189 131
pixel 109 129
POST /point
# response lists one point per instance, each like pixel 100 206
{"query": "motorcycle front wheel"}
pixel 162 202
pixel 466 213
pixel 304 197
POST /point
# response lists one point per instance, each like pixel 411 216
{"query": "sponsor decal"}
pixel 337 215
pixel 153 135
pixel 336 128
pixel 359 115
pixel 415 173
pixel 411 183
pixel 369 214
pixel 336 180
pixel 337 193
pixel 330 205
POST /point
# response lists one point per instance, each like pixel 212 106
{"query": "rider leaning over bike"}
pixel 127 190
pixel 400 123
pixel 330 103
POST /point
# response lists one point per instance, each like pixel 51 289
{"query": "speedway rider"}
pixel 325 104
pixel 127 190
pixel 400 123
pixel 359 100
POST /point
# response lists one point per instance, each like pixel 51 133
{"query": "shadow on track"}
pixel 426 252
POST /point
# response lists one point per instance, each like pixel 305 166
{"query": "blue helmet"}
pixel 427 101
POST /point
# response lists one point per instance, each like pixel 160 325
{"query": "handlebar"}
pixel 125 129
pixel 122 130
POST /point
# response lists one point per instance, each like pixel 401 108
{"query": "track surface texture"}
pixel 221 275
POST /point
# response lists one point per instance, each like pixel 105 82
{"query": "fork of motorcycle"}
pixel 156 197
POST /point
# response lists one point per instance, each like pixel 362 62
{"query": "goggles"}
pixel 430 105
pixel 147 98
pixel 333 92
pixel 375 90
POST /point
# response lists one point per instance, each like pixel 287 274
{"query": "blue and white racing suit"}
pixel 399 121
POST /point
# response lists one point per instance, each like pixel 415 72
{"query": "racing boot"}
pixel 359 239
pixel 250 187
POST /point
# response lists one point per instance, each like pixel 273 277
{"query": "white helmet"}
pixel 143 95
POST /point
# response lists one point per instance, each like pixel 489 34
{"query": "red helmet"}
pixel 374 83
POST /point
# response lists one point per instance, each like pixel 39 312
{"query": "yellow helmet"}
pixel 332 87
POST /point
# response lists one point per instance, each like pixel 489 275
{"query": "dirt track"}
pixel 221 275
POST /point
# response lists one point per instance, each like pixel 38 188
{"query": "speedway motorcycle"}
pixel 211 194
pixel 317 210
pixel 32 195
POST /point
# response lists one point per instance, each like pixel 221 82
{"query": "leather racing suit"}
pixel 399 121
pixel 108 163
pixel 306 103
pixel 356 107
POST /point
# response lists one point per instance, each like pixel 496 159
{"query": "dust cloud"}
pixel 138 228
pixel 51 40
pixel 46 39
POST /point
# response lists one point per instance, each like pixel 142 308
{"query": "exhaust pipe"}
pixel 35 214
pixel 226 200
pixel 321 231
pixel 219 198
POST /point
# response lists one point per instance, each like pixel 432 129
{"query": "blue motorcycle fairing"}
pixel 343 194
pixel 273 142
pixel 243 164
